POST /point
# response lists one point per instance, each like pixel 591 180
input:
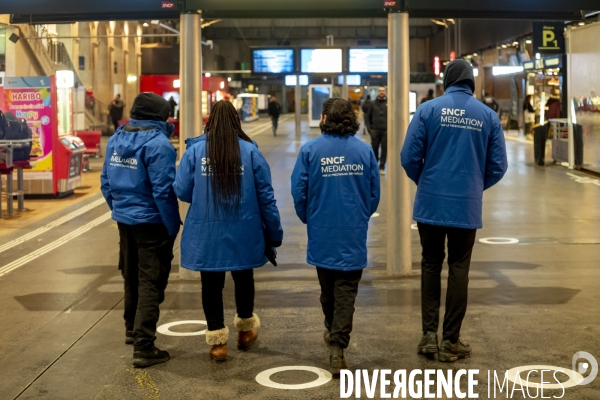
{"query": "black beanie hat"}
pixel 150 107
pixel 459 71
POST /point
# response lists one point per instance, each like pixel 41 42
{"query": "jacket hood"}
pixel 150 106
pixel 459 71
pixel 131 137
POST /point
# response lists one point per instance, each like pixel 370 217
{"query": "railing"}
pixel 59 54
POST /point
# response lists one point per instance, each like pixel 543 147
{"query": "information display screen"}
pixel 272 61
pixel 368 60
pixel 351 80
pixel 321 60
pixel 290 80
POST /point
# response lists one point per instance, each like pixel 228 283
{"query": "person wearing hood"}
pixel 232 223
pixel 335 186
pixel 491 102
pixel 454 150
pixel 376 122
pixel 137 183
pixel 116 110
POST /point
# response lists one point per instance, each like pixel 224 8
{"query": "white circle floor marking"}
pixel 573 376
pixel 264 378
pixel 414 226
pixel 499 240
pixel 165 329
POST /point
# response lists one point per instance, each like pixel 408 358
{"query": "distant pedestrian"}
pixel 454 150
pixel 116 110
pixel 335 186
pixel 232 225
pixel 173 105
pixel 529 114
pixel 376 121
pixel 491 102
pixel 428 97
pixel 137 183
pixel 274 111
pixel 366 106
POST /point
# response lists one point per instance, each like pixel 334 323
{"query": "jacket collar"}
pixel 460 88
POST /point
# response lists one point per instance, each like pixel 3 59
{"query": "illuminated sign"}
pixel 272 61
pixel 321 60
pixel 452 55
pixel 437 66
pixel 549 37
pixel 368 60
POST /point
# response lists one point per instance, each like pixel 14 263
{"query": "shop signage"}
pixel 529 65
pixel 549 37
pixel 31 99
pixel 553 62
pixel 548 62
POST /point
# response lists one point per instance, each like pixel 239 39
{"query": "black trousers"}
pixel 146 252
pixel 212 296
pixel 115 123
pixel 338 293
pixel 275 121
pixel 460 248
pixel 379 139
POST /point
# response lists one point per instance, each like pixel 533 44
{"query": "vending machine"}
pixel 46 103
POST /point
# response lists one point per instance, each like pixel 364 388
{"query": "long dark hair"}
pixel 222 132
pixel 341 118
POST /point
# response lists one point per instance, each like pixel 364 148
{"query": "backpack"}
pixel 13 128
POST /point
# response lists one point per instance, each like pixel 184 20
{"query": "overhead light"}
pixel 229 79
pixel 506 70
pixel 155 22
pixel 145 24
pixel 504 46
pixel 515 43
pixel 528 41
pixel 207 74
pixel 324 79
pixel 475 54
pixel 475 71
pixel 222 85
pixel 131 78
pixel 537 56
pixel 65 79
pixel 176 83
pixel 581 23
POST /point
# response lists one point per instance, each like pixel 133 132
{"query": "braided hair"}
pixel 341 118
pixel 222 132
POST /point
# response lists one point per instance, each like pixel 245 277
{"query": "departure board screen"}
pixel 272 61
pixel 321 60
pixel 368 60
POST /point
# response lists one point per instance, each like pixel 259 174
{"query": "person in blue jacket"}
pixel 454 150
pixel 137 182
pixel 335 186
pixel 233 219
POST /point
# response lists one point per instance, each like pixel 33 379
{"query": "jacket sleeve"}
pixel 160 162
pixel 496 162
pixel 415 147
pixel 367 117
pixel 300 185
pixel 184 181
pixel 266 197
pixel 104 181
pixel 375 183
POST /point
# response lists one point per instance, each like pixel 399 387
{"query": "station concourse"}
pixel 532 300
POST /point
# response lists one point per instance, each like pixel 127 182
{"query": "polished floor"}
pixel 532 302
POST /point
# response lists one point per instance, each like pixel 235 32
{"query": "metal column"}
pixel 399 257
pixel 190 104
pixel 345 87
pixel 298 102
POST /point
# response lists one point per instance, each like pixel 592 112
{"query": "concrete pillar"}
pixel 190 117
pixel 399 257
pixel 298 102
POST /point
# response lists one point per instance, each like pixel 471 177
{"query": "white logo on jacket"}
pixel 117 161
pixel 334 166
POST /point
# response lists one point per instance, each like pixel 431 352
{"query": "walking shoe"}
pixel 218 352
pixel 429 344
pixel 336 360
pixel 129 337
pixel 327 337
pixel 451 352
pixel 143 359
pixel 218 342
pixel 247 330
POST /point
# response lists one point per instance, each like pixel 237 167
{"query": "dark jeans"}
pixel 379 139
pixel 460 248
pixel 338 293
pixel 146 251
pixel 116 123
pixel 212 296
pixel 275 121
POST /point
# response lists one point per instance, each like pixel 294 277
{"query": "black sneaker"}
pixel 336 361
pixel 327 337
pixel 143 359
pixel 129 337
pixel 451 352
pixel 429 344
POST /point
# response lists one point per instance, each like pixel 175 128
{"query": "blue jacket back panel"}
pixel 454 150
pixel 335 185
pixel 215 240
pixel 138 175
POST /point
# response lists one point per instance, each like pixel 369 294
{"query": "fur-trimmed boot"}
pixel 247 330
pixel 218 341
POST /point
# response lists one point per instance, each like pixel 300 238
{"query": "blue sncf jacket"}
pixel 216 240
pixel 335 185
pixel 138 174
pixel 454 150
